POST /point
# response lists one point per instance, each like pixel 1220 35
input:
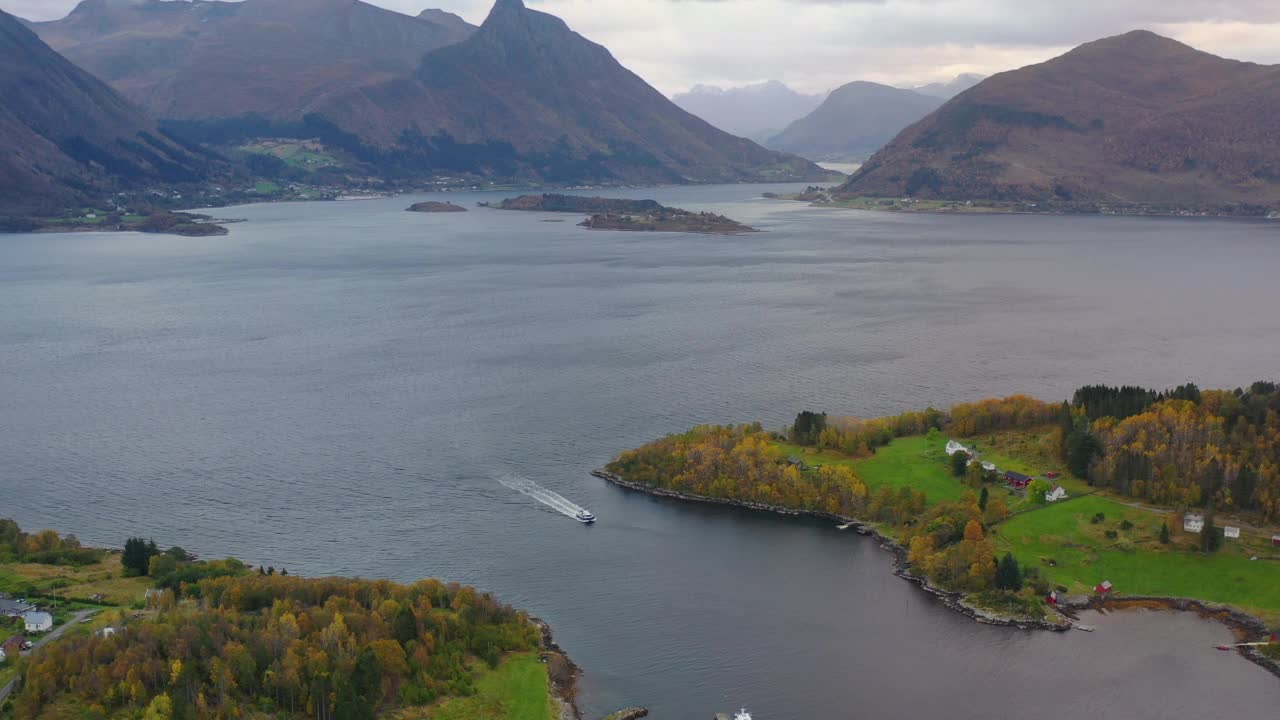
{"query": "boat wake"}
pixel 551 499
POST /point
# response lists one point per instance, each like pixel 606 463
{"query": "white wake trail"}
pixel 547 497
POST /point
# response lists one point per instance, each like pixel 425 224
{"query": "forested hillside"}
pixel 280 647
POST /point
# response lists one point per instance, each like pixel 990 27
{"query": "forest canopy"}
pixel 278 646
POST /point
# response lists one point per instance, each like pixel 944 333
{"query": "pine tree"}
pixel 982 499
pixel 1008 574
pixel 1164 533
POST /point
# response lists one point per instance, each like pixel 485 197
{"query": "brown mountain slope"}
pixel 565 106
pixel 65 137
pixel 856 120
pixel 1131 119
pixel 276 58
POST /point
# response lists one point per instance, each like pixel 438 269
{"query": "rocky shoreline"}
pixel 953 600
pixel 562 672
pixel 1242 625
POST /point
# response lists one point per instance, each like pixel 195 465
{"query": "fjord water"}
pixel 342 388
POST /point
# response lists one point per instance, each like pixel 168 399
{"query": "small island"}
pixel 628 215
pixel 432 206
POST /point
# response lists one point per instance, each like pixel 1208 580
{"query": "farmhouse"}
pixel 14 608
pixel 1231 532
pixel 1193 523
pixel 1056 494
pixel 954 447
pixel 1016 480
pixel 38 622
pixel 2 656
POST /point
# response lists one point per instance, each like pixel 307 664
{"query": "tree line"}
pixel 45 547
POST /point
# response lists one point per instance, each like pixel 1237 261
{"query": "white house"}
pixel 954 447
pixel 2 656
pixel 1193 523
pixel 1231 532
pixel 1056 494
pixel 38 622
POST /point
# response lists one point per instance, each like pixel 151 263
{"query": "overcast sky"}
pixel 816 45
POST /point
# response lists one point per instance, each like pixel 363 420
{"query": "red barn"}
pixel 1017 480
pixel 1103 587
pixel 1275 540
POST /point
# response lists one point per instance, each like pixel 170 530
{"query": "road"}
pixel 54 635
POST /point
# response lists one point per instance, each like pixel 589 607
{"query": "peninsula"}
pixel 628 215
pixel 257 641
pixel 1018 511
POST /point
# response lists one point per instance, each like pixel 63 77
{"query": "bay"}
pixel 343 387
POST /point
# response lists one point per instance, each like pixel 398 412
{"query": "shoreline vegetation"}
pixel 1089 513
pixel 818 196
pixel 161 634
pixel 432 206
pixel 626 215
pixel 160 223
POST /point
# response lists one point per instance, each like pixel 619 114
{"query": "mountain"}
pixel 67 138
pixel 954 87
pixel 855 121
pixel 523 97
pixel 1136 118
pixel 752 111
pixel 276 58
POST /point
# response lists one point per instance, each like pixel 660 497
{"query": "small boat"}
pixel 1085 628
pixel 742 715
pixel 585 516
pixel 845 526
pixel 1225 648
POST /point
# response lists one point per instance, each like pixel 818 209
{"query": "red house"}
pixel 1017 480
pixel 1103 587
pixel 1275 540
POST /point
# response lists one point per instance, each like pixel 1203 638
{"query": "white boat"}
pixel 585 516
pixel 742 715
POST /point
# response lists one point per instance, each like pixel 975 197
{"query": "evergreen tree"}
pixel 405 627
pixel 1211 536
pixel 1009 574
pixel 1164 533
pixel 135 559
pixel 982 499
pixel 959 464
pixel 1082 447
pixel 809 425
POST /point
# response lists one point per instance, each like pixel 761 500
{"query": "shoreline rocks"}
pixel 1242 624
pixel 901 568
pixel 562 672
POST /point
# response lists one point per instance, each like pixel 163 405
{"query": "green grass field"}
pixel 1135 561
pixel 906 462
pixel 1062 541
pixel 517 690
pixel 105 578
